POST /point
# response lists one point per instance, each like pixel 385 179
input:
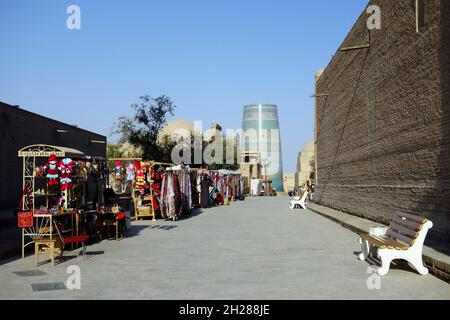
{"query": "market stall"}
pixel 218 187
pixel 64 186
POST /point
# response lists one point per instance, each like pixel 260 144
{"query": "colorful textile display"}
pixel 170 196
pixel 176 192
pixel 184 179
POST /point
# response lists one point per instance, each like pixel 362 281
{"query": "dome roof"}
pixel 179 126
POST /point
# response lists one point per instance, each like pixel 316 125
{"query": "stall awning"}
pixel 179 168
pixel 43 150
pixel 228 172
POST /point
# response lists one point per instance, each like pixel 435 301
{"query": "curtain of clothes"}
pixel 210 185
pixel 184 180
pixel 182 189
pixel 176 193
pixel 170 196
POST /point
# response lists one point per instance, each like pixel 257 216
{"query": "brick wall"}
pixel 383 130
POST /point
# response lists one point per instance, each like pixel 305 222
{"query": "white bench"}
pixel 298 203
pixel 403 239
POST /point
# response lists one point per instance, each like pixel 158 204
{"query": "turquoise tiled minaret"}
pixel 262 134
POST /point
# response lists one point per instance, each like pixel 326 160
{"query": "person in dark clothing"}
pixel 205 183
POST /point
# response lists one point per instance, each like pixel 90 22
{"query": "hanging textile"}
pixel 167 203
pixel 184 179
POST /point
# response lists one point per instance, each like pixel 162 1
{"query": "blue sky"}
pixel 211 57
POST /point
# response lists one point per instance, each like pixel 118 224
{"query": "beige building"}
pixel 182 128
pixel 289 182
pixel 305 163
pixel 250 168
pixel 179 128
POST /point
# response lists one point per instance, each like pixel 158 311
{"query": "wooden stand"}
pixel 46 246
pixel 143 207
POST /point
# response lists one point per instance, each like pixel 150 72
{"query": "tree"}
pixel 143 129
pixel 123 150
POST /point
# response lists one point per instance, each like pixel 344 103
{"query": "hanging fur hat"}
pixel 52 158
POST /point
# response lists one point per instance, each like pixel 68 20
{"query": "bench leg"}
pixel 365 249
pixel 386 259
pixel 416 262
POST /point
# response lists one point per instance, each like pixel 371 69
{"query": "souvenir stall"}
pixel 162 190
pixel 43 198
pixel 205 187
pixel 147 188
pixel 60 185
pixel 220 187
pixel 230 185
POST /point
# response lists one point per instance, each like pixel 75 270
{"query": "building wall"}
pixel 289 182
pixel 383 131
pixel 20 128
pixel 304 168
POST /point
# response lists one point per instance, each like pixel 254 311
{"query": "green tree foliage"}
pixel 113 150
pixel 143 128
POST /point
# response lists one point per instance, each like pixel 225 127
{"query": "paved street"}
pixel 256 249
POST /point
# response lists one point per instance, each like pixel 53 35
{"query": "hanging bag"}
pixel 25 218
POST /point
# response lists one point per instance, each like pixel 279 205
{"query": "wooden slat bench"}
pixel 403 240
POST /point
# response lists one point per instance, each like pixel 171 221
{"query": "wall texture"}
pixel 20 128
pixel 383 131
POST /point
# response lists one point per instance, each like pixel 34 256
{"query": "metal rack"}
pixel 43 223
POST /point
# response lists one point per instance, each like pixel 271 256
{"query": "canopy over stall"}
pixel 228 172
pixel 43 150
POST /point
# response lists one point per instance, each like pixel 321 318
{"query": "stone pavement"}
pixel 256 249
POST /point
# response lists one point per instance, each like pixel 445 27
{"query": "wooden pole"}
pixel 365 46
pixel 417 16
pixel 125 159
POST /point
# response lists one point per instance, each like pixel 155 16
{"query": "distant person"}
pixel 311 194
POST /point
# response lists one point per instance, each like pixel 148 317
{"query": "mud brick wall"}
pixel 383 131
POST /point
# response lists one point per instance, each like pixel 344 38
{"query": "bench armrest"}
pixel 378 231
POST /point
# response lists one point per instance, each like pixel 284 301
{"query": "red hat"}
pixel 137 165
pixel 119 163
pixel 52 158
